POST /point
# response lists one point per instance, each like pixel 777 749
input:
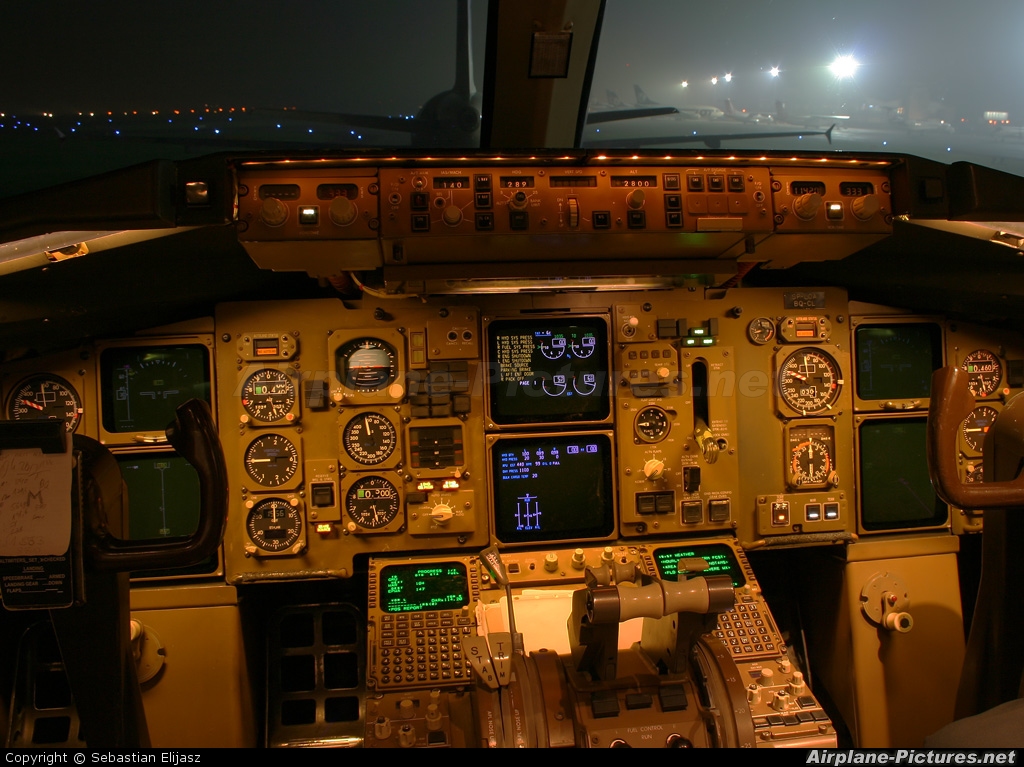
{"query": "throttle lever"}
pixel 951 402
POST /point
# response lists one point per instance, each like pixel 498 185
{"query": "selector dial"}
pixel 342 211
pixel 806 206
pixel 273 212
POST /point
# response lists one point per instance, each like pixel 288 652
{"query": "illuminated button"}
pixel 518 220
pixel 483 199
pixel 322 494
pixel 418 200
pixel 309 215
pixel 482 182
pixel 484 222
pixel 673 218
pixel 636 219
pixel 831 511
pixel 834 211
pixel 812 512
pixel 421 222
pixel 780 514
pixel 716 183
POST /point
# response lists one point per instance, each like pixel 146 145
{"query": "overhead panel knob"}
pixel 451 215
pixel 273 212
pixel 865 207
pixel 342 211
pixel 806 206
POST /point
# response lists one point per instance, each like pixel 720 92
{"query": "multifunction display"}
pixel 548 371
pixel 552 487
pixel 420 587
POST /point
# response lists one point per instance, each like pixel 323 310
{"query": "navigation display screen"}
pixel 142 386
pixel 896 360
pixel 552 487
pixel 719 556
pixel 548 370
pixel 895 489
pixel 406 588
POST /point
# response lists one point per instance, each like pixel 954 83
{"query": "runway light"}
pixel 774 71
pixel 684 84
pixel 728 77
pixel 844 67
pixel 714 81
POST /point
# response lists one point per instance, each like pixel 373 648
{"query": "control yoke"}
pixel 951 402
pixel 194 436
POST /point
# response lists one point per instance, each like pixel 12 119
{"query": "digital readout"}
pixel 451 182
pixel 635 181
pixel 562 181
pixel 516 182
pixel 856 188
pixel 408 588
pixel 798 188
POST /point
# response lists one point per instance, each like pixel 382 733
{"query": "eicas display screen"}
pixel 720 557
pixel 896 491
pixel 552 487
pixel 421 587
pixel 896 360
pixel 141 387
pixel 551 370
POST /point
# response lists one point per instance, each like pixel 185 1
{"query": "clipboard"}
pixel 40 517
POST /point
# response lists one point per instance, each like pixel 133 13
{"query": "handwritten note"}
pixel 35 502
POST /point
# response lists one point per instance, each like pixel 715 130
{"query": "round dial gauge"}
pixel 268 395
pixel 46 397
pixel 974 473
pixel 366 364
pixel 369 439
pixel 651 424
pixel 810 381
pixel 976 426
pixel 274 525
pixel 271 460
pixel 761 330
pixel 984 372
pixel 372 502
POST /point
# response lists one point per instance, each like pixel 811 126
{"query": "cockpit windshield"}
pixel 99 90
pixel 876 76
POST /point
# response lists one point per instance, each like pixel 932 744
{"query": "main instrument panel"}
pixel 547 421
pixel 557 361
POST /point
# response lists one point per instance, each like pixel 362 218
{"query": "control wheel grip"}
pixel 951 402
pixel 194 435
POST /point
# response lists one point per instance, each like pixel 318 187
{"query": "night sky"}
pixel 391 55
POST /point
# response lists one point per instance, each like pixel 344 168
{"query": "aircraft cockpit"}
pixel 620 445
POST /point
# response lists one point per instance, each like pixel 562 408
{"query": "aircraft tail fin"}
pixel 642 99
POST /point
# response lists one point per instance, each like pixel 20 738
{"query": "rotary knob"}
pixel 635 199
pixel 806 205
pixel 451 215
pixel 579 560
pixel 551 562
pixel 519 200
pixel 342 211
pixel 441 513
pixel 865 207
pixel 273 212
pixel 654 468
